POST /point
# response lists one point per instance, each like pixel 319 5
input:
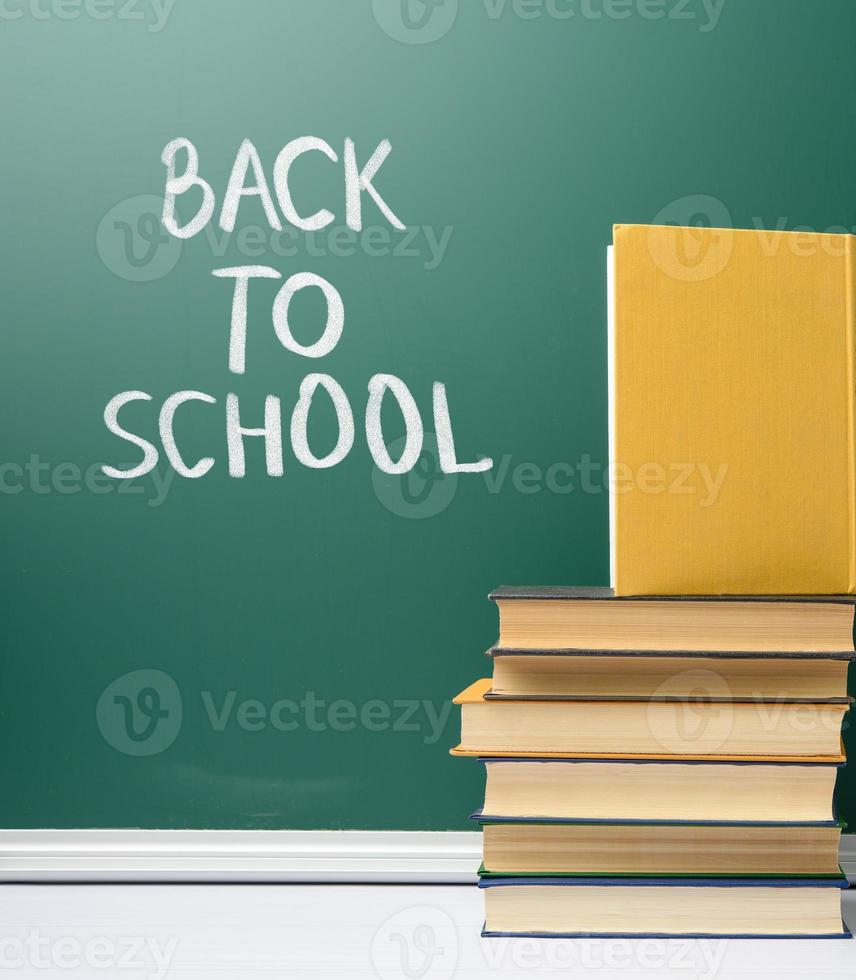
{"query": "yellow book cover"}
pixel 731 412
pixel 475 695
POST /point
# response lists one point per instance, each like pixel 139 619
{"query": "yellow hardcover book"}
pixel 647 729
pixel 732 412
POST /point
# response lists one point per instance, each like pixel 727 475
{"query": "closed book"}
pixel 610 675
pixel 576 907
pixel 732 411
pixel 581 620
pixel 676 790
pixel 646 728
pixel 706 848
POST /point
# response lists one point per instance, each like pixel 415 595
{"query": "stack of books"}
pixel 661 766
pixel 661 755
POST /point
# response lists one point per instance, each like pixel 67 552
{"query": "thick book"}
pixel 577 907
pixel 645 728
pixel 591 620
pixel 615 847
pixel 659 790
pixel 731 381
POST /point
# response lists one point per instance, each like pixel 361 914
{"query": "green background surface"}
pixel 522 138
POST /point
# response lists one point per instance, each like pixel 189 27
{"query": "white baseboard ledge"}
pixel 299 856
pixel 847 856
pixel 239 856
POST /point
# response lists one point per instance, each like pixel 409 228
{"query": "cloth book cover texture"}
pixel 732 411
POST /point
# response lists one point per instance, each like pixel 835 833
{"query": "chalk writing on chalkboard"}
pixel 358 181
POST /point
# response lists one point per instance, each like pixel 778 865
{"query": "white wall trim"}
pixel 440 857
pixel 239 855
pixel 847 855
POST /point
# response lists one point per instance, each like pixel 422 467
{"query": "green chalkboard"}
pixel 265 652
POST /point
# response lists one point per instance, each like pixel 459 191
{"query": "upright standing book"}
pixel 732 411
pixel 661 754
